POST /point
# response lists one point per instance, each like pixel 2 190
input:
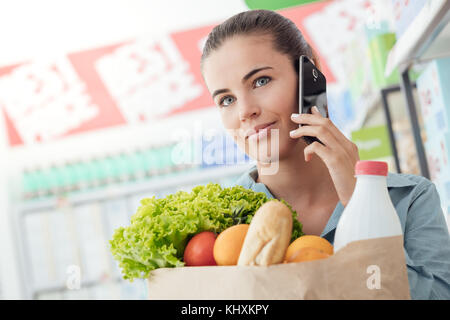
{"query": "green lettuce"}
pixel 160 229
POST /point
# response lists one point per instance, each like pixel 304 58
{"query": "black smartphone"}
pixel 312 89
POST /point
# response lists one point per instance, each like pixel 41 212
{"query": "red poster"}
pixel 124 84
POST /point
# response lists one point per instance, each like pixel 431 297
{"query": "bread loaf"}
pixel 268 236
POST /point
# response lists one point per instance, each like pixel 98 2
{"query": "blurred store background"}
pixel 102 104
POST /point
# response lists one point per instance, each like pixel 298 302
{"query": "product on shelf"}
pixel 433 86
pixel 101 171
pixel 91 234
pixel 405 149
pixel 38 250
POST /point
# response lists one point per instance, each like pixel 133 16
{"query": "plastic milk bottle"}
pixel 370 212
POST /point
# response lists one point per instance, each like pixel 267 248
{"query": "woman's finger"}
pixel 320 132
pixel 319 149
pixel 316 119
pixel 311 119
pixel 350 148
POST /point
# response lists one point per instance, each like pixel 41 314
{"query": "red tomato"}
pixel 199 250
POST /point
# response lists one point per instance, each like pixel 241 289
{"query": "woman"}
pixel 250 66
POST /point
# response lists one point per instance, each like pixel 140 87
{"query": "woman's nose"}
pixel 248 109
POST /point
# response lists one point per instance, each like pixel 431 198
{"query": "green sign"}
pixel 275 5
pixel 379 48
pixel 373 143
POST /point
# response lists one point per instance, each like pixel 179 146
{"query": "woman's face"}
pixel 254 85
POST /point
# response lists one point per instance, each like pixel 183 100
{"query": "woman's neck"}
pixel 306 184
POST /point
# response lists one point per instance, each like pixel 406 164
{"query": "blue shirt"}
pixel 425 232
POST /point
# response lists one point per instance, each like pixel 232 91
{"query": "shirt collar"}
pixel 392 181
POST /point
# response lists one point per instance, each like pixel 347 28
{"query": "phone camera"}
pixel 314 72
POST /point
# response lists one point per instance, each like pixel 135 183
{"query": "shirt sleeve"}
pixel 427 246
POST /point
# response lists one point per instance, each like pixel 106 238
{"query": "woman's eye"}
pixel 226 101
pixel 262 81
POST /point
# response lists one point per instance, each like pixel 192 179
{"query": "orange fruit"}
pixel 313 241
pixel 228 245
pixel 307 254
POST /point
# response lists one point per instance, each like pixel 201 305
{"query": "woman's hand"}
pixel 337 152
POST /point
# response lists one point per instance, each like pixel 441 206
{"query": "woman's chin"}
pixel 269 149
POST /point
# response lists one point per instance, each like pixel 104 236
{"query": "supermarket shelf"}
pixel 159 183
pixel 371 106
pixel 61 289
pixel 427 37
pixel 385 92
pixel 186 178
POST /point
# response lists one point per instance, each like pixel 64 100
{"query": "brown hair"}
pixel 287 38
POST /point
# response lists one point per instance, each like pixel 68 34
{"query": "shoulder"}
pixel 247 179
pixel 407 180
pixel 412 193
pixel 409 183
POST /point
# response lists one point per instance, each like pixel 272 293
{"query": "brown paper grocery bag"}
pixel 366 269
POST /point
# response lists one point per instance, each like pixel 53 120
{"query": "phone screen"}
pixel 312 91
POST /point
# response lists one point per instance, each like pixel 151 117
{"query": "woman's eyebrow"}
pixel 248 75
pixel 245 78
pixel 219 91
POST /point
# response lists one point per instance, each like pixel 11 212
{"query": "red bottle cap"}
pixel 376 168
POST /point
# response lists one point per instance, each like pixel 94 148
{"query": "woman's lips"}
pixel 261 133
